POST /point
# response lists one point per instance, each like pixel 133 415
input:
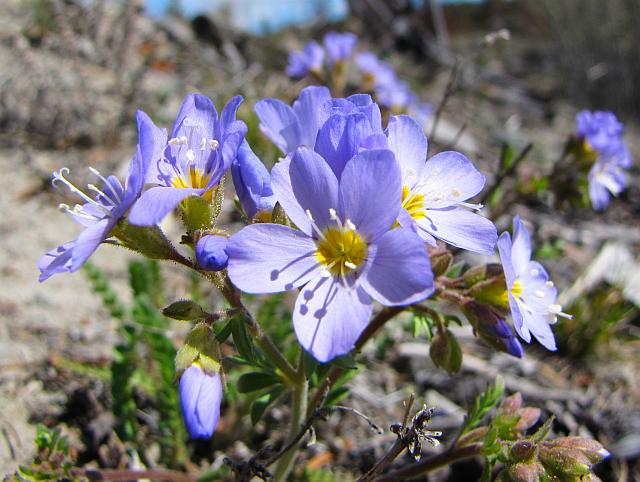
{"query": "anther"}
pixel 549 284
pixel 190 155
pixel 309 215
pixel 535 272
pixel 539 294
pixel 213 144
pixel 349 225
pixel 349 264
pixel 456 192
pixel 332 214
pixel 325 273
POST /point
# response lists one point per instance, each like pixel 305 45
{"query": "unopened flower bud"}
pixel 529 416
pixel 591 448
pixel 200 397
pixel 211 253
pixel 441 262
pixel 525 472
pixel 564 461
pixel 511 404
pixel 492 328
pixel 445 352
pixel 523 450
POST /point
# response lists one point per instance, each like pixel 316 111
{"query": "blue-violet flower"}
pixel 531 295
pixel 200 396
pixel 192 162
pixel 343 253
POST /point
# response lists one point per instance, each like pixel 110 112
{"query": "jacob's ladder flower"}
pixel 343 253
pixel 192 161
pixel 435 191
pixel 200 396
pixel 101 210
pixel 531 295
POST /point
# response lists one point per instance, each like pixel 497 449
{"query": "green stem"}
pixel 269 348
pixel 299 394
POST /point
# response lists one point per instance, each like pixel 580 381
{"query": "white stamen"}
pixel 101 177
pixel 549 284
pixel 59 177
pixel 325 273
pixel 475 207
pixel 332 214
pixel 535 272
pixel 203 144
pixel 557 310
pixel 539 294
pixel 184 140
pixel 309 215
pixel 349 225
pixel 456 192
pixel 439 197
pixel 93 188
pixel 213 144
pixel 190 155
pixel 349 264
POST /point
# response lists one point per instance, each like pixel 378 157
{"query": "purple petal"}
pixel 504 248
pixel 57 260
pixel 371 192
pixel 281 185
pixel 461 228
pixel 449 178
pixel 539 326
pixel 279 123
pixel 157 202
pixel 328 317
pixel 152 141
pixel 518 320
pixel 269 258
pixel 196 109
pixel 340 137
pixel 409 144
pixel 400 271
pixel 252 182
pixel 315 187
pixel 228 116
pixel 306 109
pixel 200 397
pixel 521 249
pixel 88 242
pixel 369 108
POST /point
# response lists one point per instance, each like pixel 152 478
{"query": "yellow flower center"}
pixel 516 289
pixel 413 203
pixel 197 179
pixel 341 250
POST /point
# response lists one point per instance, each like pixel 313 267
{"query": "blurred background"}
pixel 75 71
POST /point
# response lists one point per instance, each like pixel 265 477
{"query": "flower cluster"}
pixel 600 134
pixel 337 48
pixel 364 204
pixel 375 76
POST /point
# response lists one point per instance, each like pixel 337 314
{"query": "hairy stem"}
pixel 299 394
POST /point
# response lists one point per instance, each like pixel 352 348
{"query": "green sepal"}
pixel 185 310
pixel 445 352
pixel 149 241
pixel 200 214
pixel 201 346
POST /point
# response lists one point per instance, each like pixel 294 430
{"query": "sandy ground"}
pixel 38 320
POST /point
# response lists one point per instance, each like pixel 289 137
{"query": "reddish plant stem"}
pixel 445 458
pixel 125 475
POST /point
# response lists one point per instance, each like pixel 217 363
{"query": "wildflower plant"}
pixel 361 224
